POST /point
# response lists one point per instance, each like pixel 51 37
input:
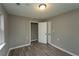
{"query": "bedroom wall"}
pixel 19 30
pixel 65 31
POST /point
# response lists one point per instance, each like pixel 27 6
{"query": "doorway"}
pixel 34 31
pixel 41 32
pixel 44 32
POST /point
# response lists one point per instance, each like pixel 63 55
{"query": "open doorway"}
pixel 41 32
pixel 34 31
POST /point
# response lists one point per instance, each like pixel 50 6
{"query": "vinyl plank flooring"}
pixel 37 49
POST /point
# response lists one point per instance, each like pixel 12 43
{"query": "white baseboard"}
pixel 2 45
pixel 8 52
pixel 63 50
pixel 18 47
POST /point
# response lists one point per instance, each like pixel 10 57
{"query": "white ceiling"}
pixel 32 10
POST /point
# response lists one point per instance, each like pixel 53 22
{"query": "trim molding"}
pixel 8 52
pixel 2 45
pixel 17 47
pixel 63 50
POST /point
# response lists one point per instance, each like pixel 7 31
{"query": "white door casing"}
pixel 49 32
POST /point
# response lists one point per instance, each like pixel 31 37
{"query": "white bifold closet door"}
pixel 42 32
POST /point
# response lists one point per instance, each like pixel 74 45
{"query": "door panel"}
pixel 42 31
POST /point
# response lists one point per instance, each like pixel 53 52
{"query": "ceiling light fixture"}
pixel 42 6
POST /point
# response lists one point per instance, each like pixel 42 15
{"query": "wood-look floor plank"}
pixel 37 49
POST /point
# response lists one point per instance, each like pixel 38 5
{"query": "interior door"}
pixel 49 32
pixel 42 31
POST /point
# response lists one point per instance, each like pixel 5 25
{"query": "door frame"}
pixel 48 32
pixel 30 29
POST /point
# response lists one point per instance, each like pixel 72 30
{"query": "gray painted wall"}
pixel 65 31
pixel 18 31
pixel 4 50
pixel 34 31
